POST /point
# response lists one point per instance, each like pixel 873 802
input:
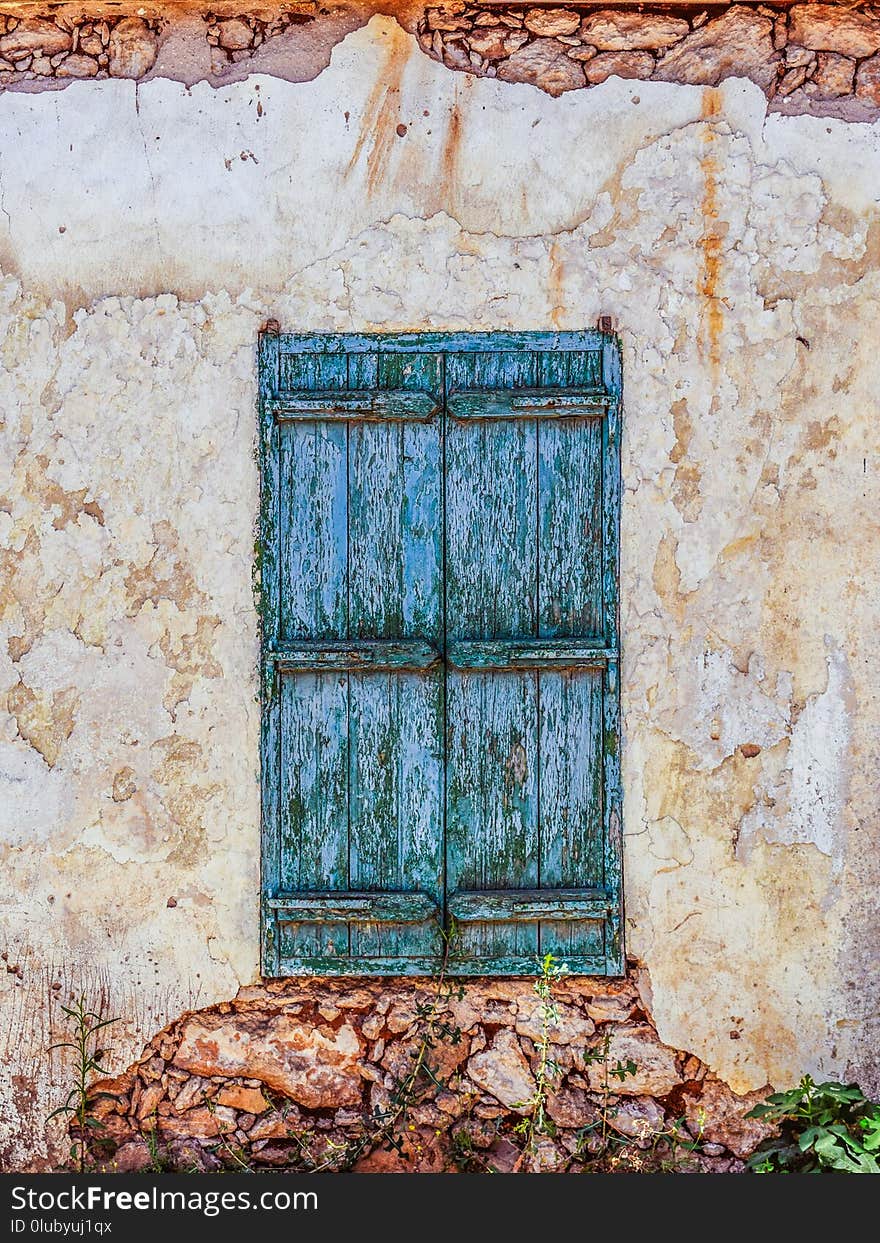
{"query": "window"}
pixel 440 734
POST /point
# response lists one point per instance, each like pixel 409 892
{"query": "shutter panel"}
pixel 355 883
pixel 528 660
pixel 440 720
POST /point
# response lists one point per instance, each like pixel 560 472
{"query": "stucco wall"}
pixel 146 232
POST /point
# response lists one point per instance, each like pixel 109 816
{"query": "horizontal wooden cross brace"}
pixel 379 656
pixel 484 906
pixel 416 406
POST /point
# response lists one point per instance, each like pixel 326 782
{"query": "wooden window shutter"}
pixel 440 649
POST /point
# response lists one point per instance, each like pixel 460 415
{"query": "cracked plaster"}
pixel 738 256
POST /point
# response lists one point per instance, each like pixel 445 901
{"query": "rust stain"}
pixel 711 316
pixel 734 549
pixel 451 147
pixel 555 295
pixel 381 117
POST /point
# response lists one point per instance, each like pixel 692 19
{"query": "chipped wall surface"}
pixel 146 232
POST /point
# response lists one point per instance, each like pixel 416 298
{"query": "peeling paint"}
pixel 127 518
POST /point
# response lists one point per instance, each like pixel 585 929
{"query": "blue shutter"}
pixel 353 773
pixel 530 607
pixel 440 723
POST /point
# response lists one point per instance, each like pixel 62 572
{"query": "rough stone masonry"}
pixel 348 181
pixel 805 57
pixel 302 1076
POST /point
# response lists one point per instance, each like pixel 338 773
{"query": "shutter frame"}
pixel 281 405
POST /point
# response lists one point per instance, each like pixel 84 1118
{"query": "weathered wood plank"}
pixel 494 906
pixel 344 907
pixel 309 370
pixel 268 585
pixel 314 797
pixel 571 845
pixel 314 515
pixel 395 523
pixel 352 406
pixel 526 404
pixel 570 368
pixel 395 793
pixel 492 798
pixel 527 654
pixel 433 342
pixel 349 656
pixel 491 511
pixel 570 540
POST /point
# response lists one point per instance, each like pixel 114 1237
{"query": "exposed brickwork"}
pixel 301 1074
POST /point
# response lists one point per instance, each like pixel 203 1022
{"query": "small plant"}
pixel 601 1055
pixel 465 1155
pixel 158 1163
pixel 537 1121
pixel 88 1056
pixel 235 1156
pixel 657 1148
pixel 824 1128
pixel 388 1127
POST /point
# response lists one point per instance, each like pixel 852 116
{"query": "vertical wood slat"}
pixel 570 529
pixel 314 800
pixel 490 508
pixel 571 837
pixel 395 548
pixel 491 585
pixel 396 826
pixel 570 506
pixel 612 793
pixel 492 800
pixel 314 511
pixel 268 376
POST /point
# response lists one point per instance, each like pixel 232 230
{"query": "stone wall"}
pixel 38 48
pixel 419 1077
pixel 807 53
pixel 815 57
